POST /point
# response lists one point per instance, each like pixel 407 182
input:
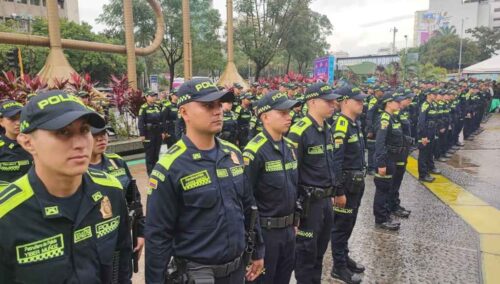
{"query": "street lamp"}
pixel 406 44
pixel 461 46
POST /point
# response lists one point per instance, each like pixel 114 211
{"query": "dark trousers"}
pixel 344 220
pixel 243 137
pixel 370 146
pixel 468 127
pixel 383 190
pixel 443 142
pixel 397 179
pixel 424 159
pixel 280 255
pixel 312 242
pixel 152 146
pixel 457 129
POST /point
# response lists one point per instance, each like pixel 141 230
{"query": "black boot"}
pixel 402 213
pixel 427 178
pixel 354 266
pixel 345 275
pixel 388 226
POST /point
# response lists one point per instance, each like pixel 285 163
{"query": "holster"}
pixel 354 181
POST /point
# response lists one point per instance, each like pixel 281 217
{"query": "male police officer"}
pixel 427 129
pixel 62 223
pixel 349 166
pixel 14 160
pixel 229 130
pixel 243 116
pixel 151 129
pixel 316 179
pixel 199 198
pixel 271 166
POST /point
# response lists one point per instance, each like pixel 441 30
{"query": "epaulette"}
pixel 230 145
pixel 301 125
pixel 425 106
pixel 256 143
pixel 103 178
pixel 2 142
pixel 237 109
pixel 172 154
pixel 15 194
pixel 290 142
pixel 385 116
pixel 341 125
pixel 113 156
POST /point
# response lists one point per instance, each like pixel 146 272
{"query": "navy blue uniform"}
pixel 114 165
pixel 197 208
pixel 14 161
pixel 229 130
pixel 271 169
pixel 349 166
pixel 243 116
pixel 427 128
pixel 43 242
pixel 388 150
pixel 170 120
pixel 151 127
pixel 316 178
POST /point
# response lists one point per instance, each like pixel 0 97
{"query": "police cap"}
pixel 10 108
pixel 348 92
pixel 321 91
pixel 275 100
pixel 202 90
pixel 54 110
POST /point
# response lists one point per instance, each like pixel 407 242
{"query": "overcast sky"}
pixel 360 26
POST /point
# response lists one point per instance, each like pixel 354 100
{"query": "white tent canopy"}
pixel 489 66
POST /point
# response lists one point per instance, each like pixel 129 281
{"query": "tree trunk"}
pixel 171 70
pixel 288 63
pixel 258 69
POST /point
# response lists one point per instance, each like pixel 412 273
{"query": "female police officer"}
pixel 14 160
pixel 62 223
pixel 114 165
pixel 388 149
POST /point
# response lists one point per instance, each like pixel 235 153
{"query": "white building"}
pixel 29 9
pixel 448 13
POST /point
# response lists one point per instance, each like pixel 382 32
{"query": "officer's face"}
pixel 227 106
pixel 11 125
pixel 278 121
pixel 100 143
pixel 203 117
pixel 405 103
pixel 151 99
pixel 355 106
pixel 324 108
pixel 63 152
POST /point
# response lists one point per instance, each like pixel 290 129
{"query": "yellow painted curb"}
pixel 481 216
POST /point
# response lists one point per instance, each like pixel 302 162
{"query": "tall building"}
pixel 28 9
pixel 452 13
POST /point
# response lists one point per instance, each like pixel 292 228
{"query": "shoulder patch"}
pixel 425 106
pixel 14 195
pixel 113 156
pixel 385 116
pixel 104 179
pixel 299 127
pixel 289 141
pixel 173 153
pixel 2 143
pixel 256 142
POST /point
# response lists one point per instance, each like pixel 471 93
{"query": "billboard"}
pixel 427 22
pixel 324 67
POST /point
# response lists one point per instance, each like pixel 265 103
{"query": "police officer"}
pixel 349 166
pixel 170 118
pixel 403 117
pixel 199 198
pixel 114 165
pixel 243 116
pixel 238 92
pixel 316 179
pixel 230 124
pixel 388 150
pixel 62 222
pixel 271 167
pixel 151 129
pixel 371 119
pixel 14 160
pixel 427 129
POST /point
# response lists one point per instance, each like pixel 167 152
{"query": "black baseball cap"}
pixel 54 110
pixel 248 96
pixel 151 94
pixel 202 90
pixel 10 108
pixel 97 130
pixel 348 92
pixel 321 91
pixel 392 96
pixel 275 100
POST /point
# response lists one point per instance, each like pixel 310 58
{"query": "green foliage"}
pixel 488 41
pixel 443 51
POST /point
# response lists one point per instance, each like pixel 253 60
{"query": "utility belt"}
pixel 395 150
pixel 308 194
pixel 408 141
pixel 153 126
pixel 278 222
pixel 196 273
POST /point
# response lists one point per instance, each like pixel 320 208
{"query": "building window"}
pixel 496 19
pixel 22 1
pixel 35 2
pixel 497 10
pixel 60 3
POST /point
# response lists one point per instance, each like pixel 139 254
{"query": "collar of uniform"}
pixel 192 149
pixel 270 139
pixel 9 142
pixel 50 209
pixel 353 123
pixel 316 125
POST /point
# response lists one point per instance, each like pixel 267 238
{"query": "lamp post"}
pixel 460 52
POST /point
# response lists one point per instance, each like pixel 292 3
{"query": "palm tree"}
pixel 445 30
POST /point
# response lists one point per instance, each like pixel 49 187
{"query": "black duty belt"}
pixel 318 193
pixel 220 270
pixel 276 222
pixel 395 149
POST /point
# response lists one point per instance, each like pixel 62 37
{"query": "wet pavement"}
pixel 435 245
